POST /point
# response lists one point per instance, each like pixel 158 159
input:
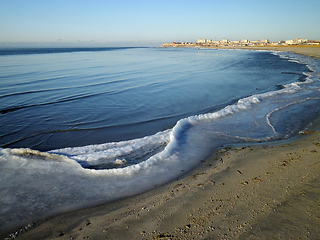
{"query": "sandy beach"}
pixel 266 191
pixel 312 51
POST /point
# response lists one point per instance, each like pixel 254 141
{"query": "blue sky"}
pixel 152 22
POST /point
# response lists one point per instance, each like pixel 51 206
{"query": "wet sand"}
pixel 312 51
pixel 265 191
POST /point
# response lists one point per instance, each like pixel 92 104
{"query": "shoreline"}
pixel 311 51
pixel 302 50
pixel 236 193
pixel 253 192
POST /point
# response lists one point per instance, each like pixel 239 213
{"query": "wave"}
pixel 180 133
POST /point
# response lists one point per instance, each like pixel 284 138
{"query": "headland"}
pixel 299 46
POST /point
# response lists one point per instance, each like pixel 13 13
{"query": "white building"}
pixel 300 40
pixel 264 41
pixel 290 42
pixel 255 42
pixel 202 40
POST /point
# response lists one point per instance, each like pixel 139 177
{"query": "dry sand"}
pixel 268 191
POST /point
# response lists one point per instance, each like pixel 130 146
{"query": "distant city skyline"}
pixel 99 23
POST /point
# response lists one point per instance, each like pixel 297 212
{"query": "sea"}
pixel 86 126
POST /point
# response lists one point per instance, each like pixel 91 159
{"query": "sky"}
pixel 103 23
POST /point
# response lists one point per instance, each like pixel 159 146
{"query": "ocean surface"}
pixel 81 127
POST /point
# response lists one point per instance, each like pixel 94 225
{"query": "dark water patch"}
pixel 302 77
pixel 137 156
pixel 279 87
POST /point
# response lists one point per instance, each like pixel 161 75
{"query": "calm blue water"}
pixel 57 100
pixel 80 127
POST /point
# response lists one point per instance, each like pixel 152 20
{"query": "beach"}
pixel 312 51
pixel 265 191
